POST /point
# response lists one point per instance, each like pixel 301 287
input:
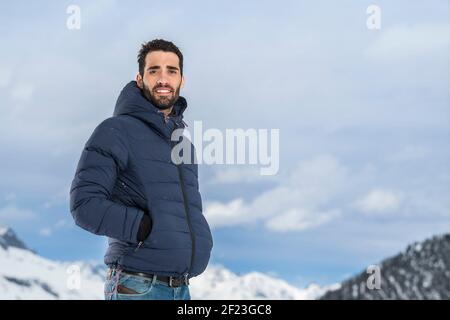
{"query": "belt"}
pixel 167 280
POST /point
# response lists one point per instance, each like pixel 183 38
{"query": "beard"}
pixel 162 102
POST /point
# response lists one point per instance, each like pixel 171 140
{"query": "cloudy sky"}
pixel 363 115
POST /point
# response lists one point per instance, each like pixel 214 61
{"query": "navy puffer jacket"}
pixel 126 171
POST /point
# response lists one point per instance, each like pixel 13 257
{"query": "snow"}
pixel 3 230
pixel 26 275
pixel 217 282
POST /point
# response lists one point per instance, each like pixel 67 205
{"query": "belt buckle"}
pixel 175 282
pixel 171 282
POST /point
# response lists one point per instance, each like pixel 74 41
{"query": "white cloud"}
pixel 406 41
pixel 22 92
pixel 60 224
pixel 10 197
pixel 220 214
pixel 322 190
pixel 300 219
pixel 238 174
pixel 11 213
pixel 6 73
pixel 59 198
pixel 299 203
pixel 46 232
pixel 379 201
pixel 410 152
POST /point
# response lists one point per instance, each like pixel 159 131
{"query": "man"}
pixel 127 187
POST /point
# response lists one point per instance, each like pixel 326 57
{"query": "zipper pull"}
pixel 139 245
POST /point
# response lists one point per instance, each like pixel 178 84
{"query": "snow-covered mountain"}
pixel 26 275
pixel 218 282
pixel 9 239
pixel 422 271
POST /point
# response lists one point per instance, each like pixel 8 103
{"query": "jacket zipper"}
pixel 139 245
pixel 185 203
pixel 186 210
pixel 188 218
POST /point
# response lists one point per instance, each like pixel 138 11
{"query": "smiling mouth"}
pixel 163 91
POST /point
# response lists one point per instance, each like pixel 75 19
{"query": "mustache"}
pixel 163 87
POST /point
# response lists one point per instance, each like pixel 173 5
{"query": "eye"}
pixel 173 71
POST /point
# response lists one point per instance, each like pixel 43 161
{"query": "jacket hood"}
pixel 132 102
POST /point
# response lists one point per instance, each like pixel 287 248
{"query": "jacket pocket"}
pixel 133 192
pixel 150 234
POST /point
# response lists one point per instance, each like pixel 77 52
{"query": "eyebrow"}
pixel 158 67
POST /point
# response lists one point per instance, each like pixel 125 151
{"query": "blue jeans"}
pixel 145 288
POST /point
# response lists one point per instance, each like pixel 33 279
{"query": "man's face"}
pixel 162 78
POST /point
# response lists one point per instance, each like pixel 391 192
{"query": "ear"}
pixel 182 82
pixel 139 81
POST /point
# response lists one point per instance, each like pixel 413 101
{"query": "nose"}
pixel 162 81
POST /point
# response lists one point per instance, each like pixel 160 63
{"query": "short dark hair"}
pixel 158 45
